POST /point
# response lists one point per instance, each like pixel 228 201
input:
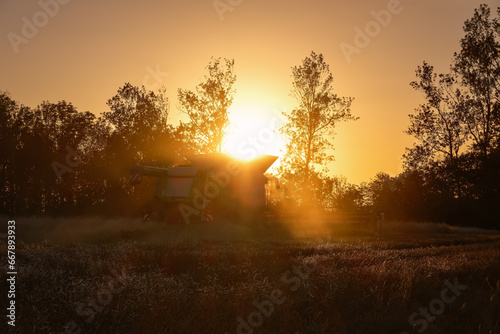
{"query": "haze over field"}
pixel 82 51
pixel 108 282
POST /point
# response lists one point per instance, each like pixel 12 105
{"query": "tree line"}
pixel 57 160
pixel 452 172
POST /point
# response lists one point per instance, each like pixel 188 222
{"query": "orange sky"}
pixel 83 51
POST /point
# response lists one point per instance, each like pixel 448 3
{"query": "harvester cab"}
pixel 213 187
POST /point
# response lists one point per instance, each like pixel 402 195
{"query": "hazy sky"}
pixel 83 51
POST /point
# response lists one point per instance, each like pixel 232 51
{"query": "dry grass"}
pixel 201 281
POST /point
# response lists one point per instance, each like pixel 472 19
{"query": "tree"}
pixel 8 112
pixel 464 105
pixel 138 133
pixel 458 131
pixel 478 67
pixel 310 126
pixel 137 120
pixel 342 195
pixel 34 169
pixel 438 123
pixel 207 108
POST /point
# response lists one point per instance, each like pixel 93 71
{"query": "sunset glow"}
pixel 232 166
pixel 68 59
pixel 252 133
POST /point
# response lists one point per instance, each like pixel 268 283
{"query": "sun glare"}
pixel 253 133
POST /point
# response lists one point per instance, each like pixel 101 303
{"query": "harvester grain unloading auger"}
pixel 213 187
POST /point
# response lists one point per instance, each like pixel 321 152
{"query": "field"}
pixel 122 276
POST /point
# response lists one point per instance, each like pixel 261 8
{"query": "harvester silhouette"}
pixel 212 187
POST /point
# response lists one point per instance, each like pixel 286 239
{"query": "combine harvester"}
pixel 212 187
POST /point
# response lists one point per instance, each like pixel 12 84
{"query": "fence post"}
pixel 381 223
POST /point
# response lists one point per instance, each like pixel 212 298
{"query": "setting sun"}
pixel 230 166
pixel 253 132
